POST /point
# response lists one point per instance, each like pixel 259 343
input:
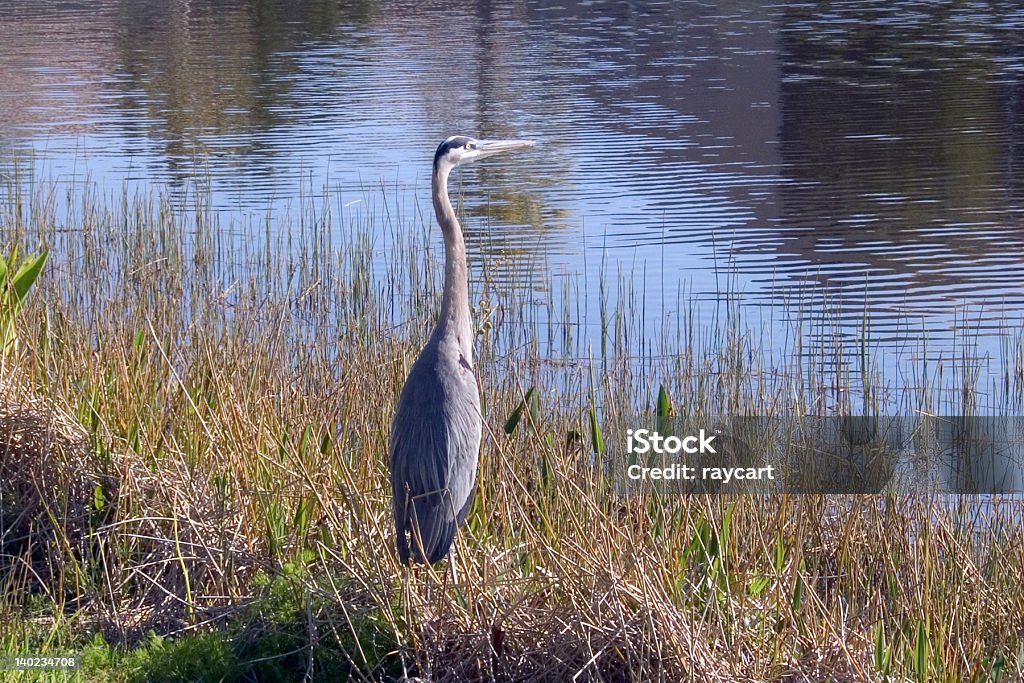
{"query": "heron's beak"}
pixel 485 148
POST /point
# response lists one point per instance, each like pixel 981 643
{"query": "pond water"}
pixel 864 159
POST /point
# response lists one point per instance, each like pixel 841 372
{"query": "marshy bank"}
pixel 218 397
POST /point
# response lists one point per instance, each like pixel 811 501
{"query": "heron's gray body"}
pixel 438 425
pixel 435 435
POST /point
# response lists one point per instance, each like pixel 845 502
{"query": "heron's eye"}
pixel 469 145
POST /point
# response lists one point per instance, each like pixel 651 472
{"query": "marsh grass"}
pixel 225 389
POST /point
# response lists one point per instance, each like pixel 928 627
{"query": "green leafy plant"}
pixel 16 279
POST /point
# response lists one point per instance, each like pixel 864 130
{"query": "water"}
pixel 857 161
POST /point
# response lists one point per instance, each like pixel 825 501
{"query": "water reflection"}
pixel 901 144
pixel 858 158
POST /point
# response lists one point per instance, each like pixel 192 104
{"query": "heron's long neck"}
pixel 455 318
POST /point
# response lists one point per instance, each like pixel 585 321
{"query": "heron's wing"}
pixel 435 438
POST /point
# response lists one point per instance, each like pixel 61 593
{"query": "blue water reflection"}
pixel 863 160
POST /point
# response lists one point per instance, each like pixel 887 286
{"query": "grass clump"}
pixel 228 391
pixel 273 638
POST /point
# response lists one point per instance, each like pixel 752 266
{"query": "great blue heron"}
pixel 435 435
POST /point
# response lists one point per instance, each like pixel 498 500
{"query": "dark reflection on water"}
pixel 901 141
pixel 854 157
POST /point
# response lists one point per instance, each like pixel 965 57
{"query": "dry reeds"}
pixel 46 484
pixel 233 388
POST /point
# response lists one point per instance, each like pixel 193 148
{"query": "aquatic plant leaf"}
pixel 596 438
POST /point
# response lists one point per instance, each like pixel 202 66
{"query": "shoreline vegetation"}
pixel 193 481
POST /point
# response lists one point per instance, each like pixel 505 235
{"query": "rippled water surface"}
pixel 855 160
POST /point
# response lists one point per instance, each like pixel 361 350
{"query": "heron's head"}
pixel 460 149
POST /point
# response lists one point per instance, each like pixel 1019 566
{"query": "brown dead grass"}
pixel 47 480
pixel 232 411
